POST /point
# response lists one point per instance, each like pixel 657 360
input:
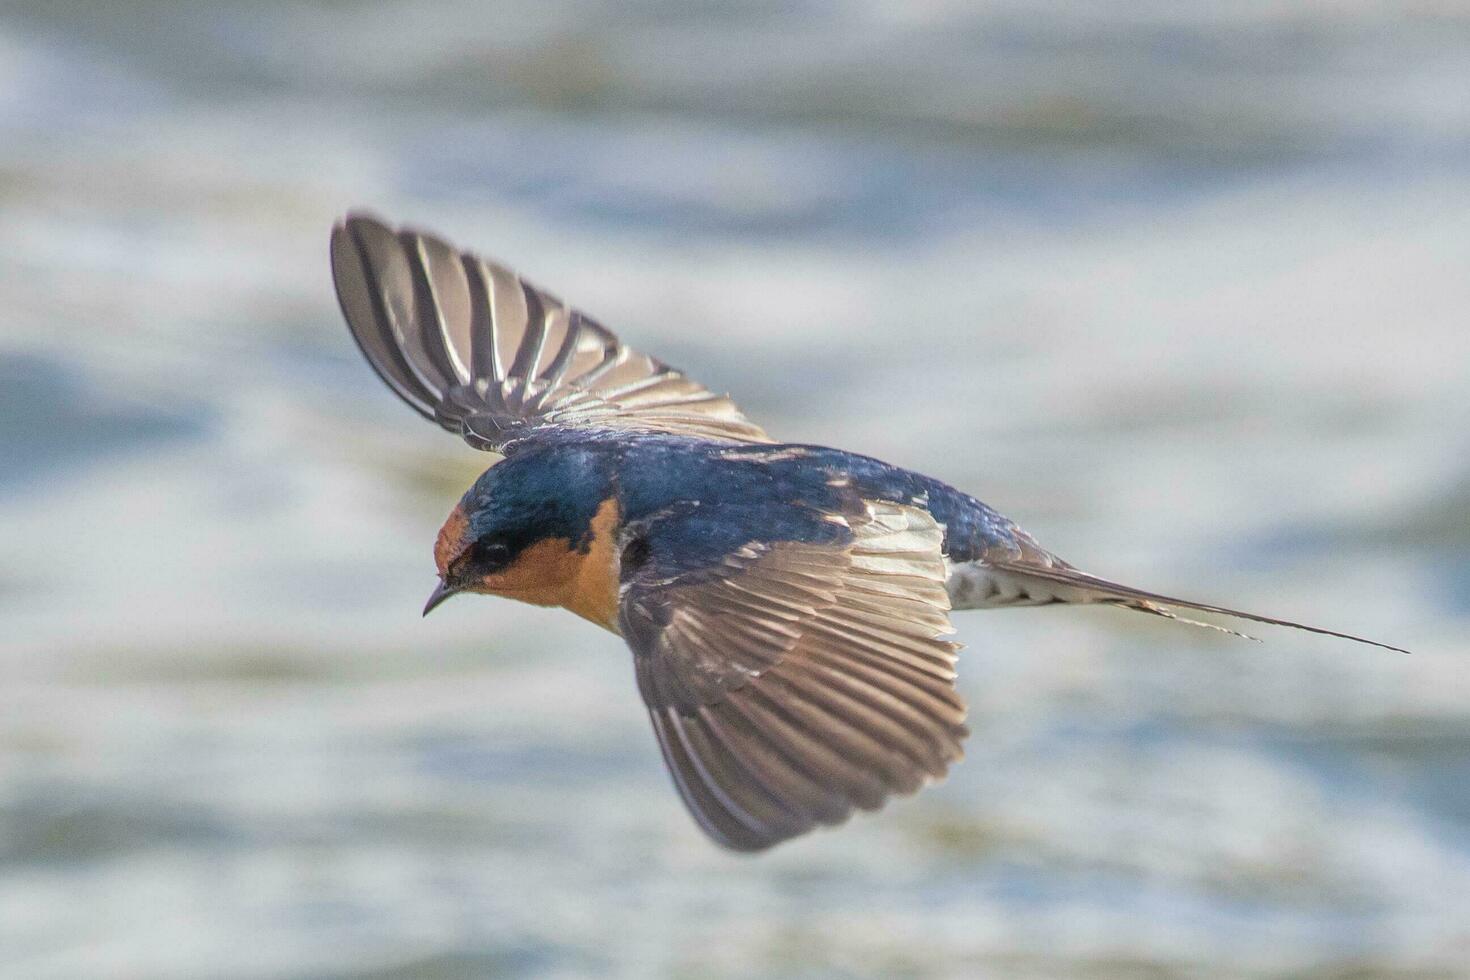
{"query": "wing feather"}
pixel 468 343
pixel 801 681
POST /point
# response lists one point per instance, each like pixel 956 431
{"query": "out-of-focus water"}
pixel 1180 286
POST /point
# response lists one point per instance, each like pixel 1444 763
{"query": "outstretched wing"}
pixel 796 680
pixel 485 354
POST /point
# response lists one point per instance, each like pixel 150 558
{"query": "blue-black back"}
pixel 728 494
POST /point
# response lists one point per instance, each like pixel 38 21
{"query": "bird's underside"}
pixel 787 618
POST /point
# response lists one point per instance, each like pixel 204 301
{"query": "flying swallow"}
pixel 787 606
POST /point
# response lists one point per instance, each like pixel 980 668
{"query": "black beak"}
pixel 441 592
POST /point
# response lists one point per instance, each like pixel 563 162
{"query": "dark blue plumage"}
pixel 546 491
pixel 552 485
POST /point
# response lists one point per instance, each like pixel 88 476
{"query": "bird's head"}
pixel 536 528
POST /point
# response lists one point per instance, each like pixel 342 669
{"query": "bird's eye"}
pixel 489 554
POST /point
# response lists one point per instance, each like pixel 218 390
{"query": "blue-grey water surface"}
pixel 1180 286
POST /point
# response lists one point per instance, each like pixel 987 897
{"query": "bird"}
pixel 787 606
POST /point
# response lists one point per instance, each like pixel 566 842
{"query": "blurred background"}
pixel 1180 286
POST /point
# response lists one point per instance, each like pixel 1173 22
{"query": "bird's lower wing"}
pixel 800 680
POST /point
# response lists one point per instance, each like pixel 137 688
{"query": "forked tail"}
pixel 1063 583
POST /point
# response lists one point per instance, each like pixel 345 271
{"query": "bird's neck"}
pixel 553 572
pixel 593 589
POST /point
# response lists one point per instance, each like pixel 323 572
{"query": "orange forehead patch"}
pixel 451 539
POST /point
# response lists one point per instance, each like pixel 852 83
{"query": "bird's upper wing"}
pixel 485 354
pixel 795 681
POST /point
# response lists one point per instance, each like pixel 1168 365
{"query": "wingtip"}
pixel 358 217
pixel 343 237
pixel 362 214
